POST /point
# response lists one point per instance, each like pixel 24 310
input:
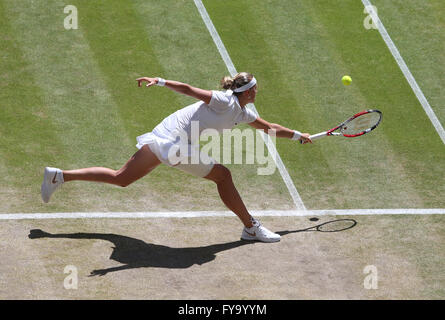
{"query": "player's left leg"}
pixel 139 165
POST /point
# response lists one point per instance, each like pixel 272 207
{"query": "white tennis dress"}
pixel 223 112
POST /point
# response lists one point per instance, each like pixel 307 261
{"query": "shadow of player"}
pixel 135 253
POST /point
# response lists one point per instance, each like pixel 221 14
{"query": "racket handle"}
pixel 318 135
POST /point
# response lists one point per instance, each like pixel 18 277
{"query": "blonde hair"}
pixel 239 80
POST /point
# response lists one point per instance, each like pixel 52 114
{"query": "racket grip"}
pixel 318 135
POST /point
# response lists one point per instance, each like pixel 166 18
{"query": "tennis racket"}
pixel 329 226
pixel 356 126
pixel 334 226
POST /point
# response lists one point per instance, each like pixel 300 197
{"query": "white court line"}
pixel 201 214
pixel 409 77
pixel 270 146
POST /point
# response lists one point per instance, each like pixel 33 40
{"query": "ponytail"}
pixel 227 83
pixel 239 80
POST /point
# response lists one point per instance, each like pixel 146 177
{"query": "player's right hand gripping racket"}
pixel 357 125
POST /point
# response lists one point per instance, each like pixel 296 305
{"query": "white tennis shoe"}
pixel 259 233
pixel 52 179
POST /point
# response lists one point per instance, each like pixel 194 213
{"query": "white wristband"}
pixel 161 82
pixel 297 135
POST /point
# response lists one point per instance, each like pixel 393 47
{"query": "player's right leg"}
pixel 139 165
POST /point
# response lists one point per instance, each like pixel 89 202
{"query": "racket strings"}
pixel 337 225
pixel 361 123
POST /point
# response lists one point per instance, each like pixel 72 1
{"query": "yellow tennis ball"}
pixel 346 80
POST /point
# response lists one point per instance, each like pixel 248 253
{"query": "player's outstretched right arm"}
pixel 280 131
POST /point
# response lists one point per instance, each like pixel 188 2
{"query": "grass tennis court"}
pixel 69 98
pixel 145 259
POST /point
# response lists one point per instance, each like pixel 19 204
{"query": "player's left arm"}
pixel 280 131
pixel 180 87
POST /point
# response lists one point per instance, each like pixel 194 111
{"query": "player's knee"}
pixel 124 184
pixel 222 174
pixel 121 180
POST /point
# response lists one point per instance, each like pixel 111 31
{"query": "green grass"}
pixel 81 107
pixel 417 27
pixel 85 80
pixel 299 51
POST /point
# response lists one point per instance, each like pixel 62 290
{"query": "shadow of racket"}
pixel 329 226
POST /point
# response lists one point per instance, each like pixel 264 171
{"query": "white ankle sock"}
pixel 60 176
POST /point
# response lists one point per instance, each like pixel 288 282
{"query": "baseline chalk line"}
pixel 201 214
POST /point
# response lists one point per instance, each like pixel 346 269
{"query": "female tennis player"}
pixel 215 109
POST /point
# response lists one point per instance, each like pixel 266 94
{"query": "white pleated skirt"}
pixel 168 150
